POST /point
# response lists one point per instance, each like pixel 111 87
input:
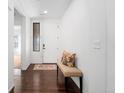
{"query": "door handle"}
pixel 44 46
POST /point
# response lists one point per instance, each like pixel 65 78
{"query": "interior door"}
pixel 36 43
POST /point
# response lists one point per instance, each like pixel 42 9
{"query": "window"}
pixel 36 37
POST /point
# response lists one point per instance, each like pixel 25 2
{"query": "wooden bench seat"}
pixel 70 72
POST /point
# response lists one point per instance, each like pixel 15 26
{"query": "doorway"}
pixel 17 42
pixel 17 47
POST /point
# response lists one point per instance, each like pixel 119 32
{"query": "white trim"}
pixel 109 91
pixel 9 8
pixel 25 68
pixel 11 88
pixel 19 7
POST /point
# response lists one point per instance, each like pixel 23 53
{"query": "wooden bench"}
pixel 70 72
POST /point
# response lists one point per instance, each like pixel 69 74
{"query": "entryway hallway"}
pixel 84 28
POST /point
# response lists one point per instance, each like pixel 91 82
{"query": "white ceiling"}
pixel 55 8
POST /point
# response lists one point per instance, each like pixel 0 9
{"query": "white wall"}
pixel 10 44
pixel 49 33
pixel 25 34
pixel 84 31
pixel 28 38
pixel 25 43
pixel 110 47
pixel 24 22
pixel 17 18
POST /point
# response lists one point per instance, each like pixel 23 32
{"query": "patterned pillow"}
pixel 63 60
pixel 68 59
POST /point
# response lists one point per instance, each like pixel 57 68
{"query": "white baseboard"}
pixel 25 67
pixel 110 91
pixel 10 88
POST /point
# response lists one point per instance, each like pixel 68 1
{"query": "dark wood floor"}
pixel 39 82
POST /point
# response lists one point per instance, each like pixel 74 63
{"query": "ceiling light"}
pixel 45 12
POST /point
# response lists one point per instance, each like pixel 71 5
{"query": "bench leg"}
pixel 57 71
pixel 66 83
pixel 80 84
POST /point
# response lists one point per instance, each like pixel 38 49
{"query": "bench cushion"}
pixel 69 71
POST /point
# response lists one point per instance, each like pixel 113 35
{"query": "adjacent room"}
pixel 61 46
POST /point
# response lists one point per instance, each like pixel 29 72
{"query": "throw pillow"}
pixel 68 59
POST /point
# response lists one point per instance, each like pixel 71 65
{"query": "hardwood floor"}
pixel 32 81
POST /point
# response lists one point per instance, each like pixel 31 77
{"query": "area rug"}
pixel 45 67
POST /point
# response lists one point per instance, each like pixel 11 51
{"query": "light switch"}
pixel 96 44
